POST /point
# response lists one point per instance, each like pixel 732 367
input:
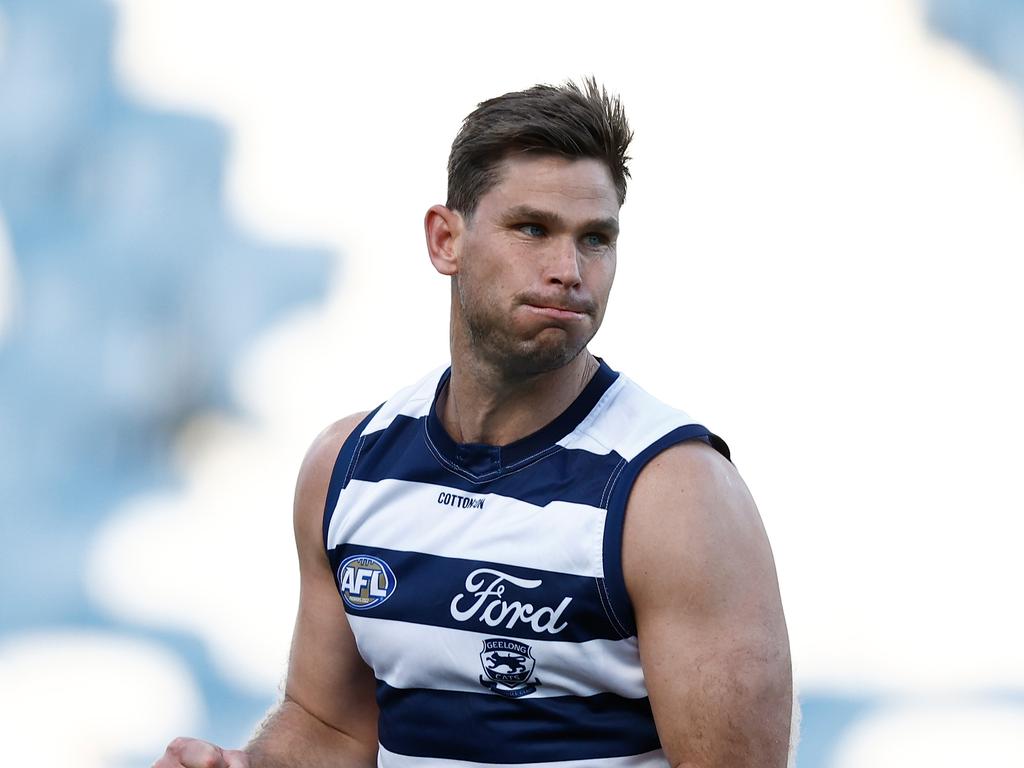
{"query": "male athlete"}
pixel 525 559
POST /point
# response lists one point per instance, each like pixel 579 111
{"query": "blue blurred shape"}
pixel 825 718
pixel 137 295
pixel 991 29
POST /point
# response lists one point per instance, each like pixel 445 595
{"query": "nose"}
pixel 564 265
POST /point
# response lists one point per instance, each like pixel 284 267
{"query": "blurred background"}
pixel 210 248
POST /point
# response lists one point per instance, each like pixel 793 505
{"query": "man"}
pixel 526 559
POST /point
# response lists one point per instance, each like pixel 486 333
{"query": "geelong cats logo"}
pixel 507 665
pixel 487 586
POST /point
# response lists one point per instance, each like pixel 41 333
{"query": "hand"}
pixel 194 753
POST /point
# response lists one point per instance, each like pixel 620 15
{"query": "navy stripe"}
pixel 615 582
pixel 426 588
pixel 339 476
pixel 436 724
pixel 401 452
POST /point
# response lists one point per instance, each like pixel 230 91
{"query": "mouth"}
pixel 558 312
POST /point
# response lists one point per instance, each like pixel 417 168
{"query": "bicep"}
pixel 326 674
pixel 710 626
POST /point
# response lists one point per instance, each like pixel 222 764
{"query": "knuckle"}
pixel 208 757
pixel 192 753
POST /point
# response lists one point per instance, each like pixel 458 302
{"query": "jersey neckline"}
pixel 480 459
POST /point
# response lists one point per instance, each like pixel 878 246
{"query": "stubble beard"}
pixel 490 338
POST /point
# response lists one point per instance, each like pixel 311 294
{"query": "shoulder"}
pixel 692 530
pixel 315 474
pixel 318 462
pixel 318 466
pixel 689 470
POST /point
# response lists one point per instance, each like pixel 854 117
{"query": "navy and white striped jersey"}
pixel 484 586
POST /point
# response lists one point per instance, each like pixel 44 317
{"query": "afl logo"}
pixel 365 581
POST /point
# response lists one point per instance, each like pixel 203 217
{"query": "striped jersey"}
pixel 484 585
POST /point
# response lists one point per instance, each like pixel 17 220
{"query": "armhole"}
pixel 343 469
pixel 615 581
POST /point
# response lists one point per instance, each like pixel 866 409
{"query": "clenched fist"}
pixel 194 753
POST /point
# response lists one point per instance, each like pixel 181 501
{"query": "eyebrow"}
pixel 609 225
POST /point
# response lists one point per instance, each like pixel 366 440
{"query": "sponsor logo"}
pixel 462 502
pixel 365 581
pixel 508 665
pixel 484 599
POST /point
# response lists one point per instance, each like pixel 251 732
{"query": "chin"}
pixel 535 359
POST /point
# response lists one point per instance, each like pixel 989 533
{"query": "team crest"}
pixel 365 581
pixel 508 665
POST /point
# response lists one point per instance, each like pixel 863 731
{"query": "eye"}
pixel 594 240
pixel 533 230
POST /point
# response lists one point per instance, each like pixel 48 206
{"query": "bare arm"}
pixel 713 640
pixel 329 714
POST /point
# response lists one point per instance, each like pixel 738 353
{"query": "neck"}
pixel 484 405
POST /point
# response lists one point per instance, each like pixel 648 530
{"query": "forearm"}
pixel 291 737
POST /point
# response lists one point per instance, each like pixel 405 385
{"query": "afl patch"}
pixel 365 581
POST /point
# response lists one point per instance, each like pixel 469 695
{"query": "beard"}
pixel 492 336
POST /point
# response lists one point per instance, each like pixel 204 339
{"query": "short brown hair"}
pixel 566 120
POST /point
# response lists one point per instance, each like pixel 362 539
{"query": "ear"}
pixel 443 227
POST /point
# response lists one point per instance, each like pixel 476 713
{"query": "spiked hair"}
pixel 569 120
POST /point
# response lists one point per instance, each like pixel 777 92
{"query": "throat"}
pixel 474 410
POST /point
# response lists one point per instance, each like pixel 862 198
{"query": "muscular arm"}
pixel 713 641
pixel 329 714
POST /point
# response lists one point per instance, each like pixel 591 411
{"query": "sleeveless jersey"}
pixel 484 586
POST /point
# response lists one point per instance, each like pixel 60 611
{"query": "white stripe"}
pixel 626 420
pixel 398 514
pixel 449 660
pixel 655 759
pixel 414 401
